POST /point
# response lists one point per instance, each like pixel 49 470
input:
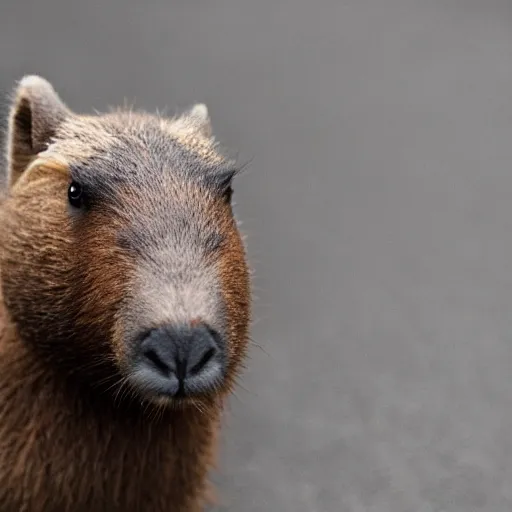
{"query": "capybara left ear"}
pixel 36 113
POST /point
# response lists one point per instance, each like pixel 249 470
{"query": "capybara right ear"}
pixel 36 113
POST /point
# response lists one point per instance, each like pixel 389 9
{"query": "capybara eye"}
pixel 75 194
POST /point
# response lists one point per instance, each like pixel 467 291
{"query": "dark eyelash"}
pixel 228 193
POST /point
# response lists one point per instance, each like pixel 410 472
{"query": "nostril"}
pixel 152 356
pixel 179 360
pixel 205 359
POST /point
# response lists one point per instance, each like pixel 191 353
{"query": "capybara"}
pixel 125 307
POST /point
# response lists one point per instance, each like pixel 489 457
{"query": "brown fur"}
pixel 74 436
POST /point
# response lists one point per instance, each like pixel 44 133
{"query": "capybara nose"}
pixel 179 360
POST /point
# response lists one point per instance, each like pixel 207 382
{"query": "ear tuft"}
pixel 199 112
pixel 201 118
pixel 36 113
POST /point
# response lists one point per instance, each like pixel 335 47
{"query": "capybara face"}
pixel 121 261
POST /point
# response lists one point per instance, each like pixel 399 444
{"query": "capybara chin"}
pixel 124 311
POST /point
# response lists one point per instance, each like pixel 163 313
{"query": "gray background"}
pixel 379 221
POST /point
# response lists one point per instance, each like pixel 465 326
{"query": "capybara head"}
pixel 121 260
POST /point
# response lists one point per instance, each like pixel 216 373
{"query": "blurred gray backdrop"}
pixel 379 219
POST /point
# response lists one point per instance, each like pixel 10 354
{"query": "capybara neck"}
pixel 69 431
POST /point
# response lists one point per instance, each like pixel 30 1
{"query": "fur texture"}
pixel 155 242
